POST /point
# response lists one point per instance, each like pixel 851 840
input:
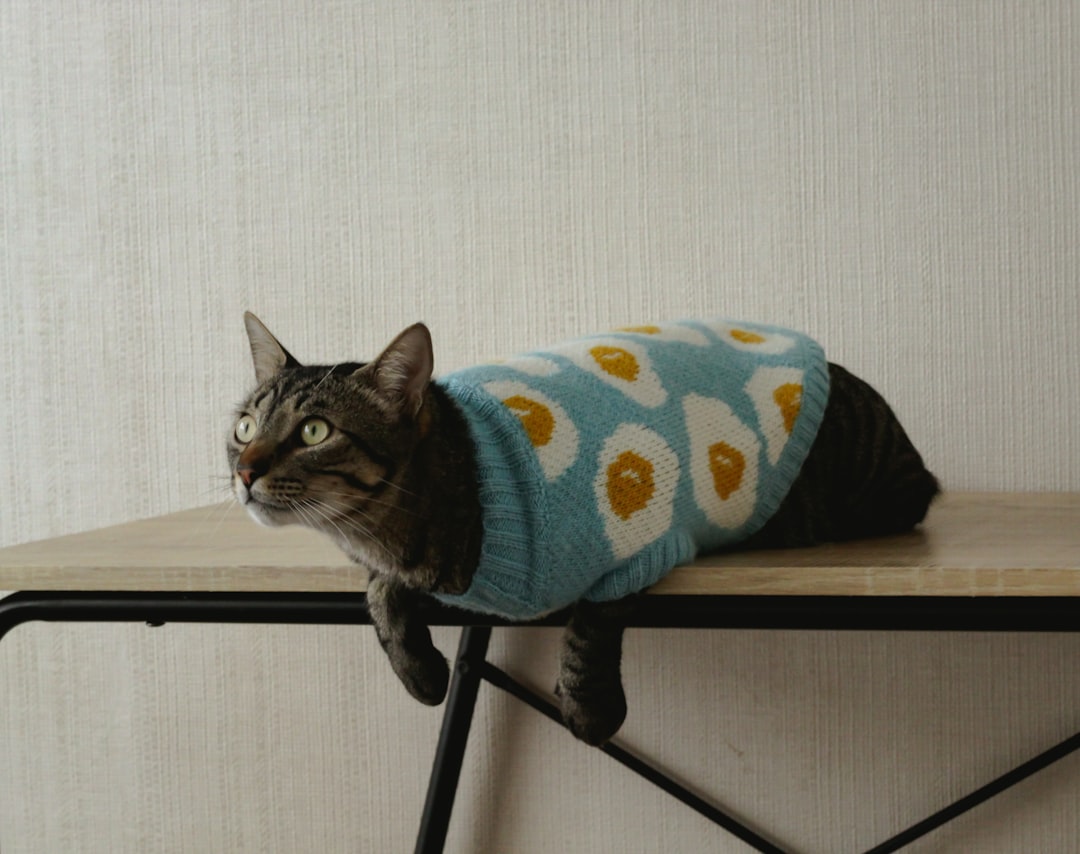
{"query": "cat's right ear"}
pixel 269 356
pixel 403 370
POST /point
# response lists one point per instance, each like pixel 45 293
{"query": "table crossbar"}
pixel 1023 614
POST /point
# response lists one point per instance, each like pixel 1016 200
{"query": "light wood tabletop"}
pixel 973 544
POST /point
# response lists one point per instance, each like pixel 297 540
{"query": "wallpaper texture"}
pixel 899 179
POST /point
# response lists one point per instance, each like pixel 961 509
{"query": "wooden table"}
pixel 974 544
pixel 987 561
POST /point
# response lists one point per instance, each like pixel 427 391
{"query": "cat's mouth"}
pixel 275 501
pixel 265 510
pixel 268 515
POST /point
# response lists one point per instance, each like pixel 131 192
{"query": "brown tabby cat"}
pixel 378 457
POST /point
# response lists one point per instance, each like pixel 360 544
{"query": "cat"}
pixel 395 467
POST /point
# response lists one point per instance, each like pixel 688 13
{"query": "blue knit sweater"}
pixel 607 461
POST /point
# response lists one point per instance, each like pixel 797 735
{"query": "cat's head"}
pixel 319 445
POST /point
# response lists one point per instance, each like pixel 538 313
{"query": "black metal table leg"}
pixel 460 703
pixel 1051 614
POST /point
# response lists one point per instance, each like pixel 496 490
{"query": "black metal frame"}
pixel 1024 614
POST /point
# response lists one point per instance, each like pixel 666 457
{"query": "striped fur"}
pixel 393 483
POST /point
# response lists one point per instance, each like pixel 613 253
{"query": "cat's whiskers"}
pixel 339 508
pixel 341 511
pixel 315 518
pixel 346 514
pixel 401 489
pixel 321 508
pixel 308 518
pixel 221 511
pixel 324 379
pixel 348 511
pixel 223 487
pixel 312 507
pixel 368 499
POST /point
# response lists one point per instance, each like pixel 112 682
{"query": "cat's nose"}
pixel 254 462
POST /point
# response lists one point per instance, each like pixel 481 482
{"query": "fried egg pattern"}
pixel 723 461
pixel 534 366
pixel 654 442
pixel 636 477
pixel 550 430
pixel 620 363
pixel 752 338
pixel 777 396
pixel 668 332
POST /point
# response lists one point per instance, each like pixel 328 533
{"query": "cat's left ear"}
pixel 267 353
pixel 403 370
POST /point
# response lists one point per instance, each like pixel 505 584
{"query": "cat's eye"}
pixel 245 430
pixel 314 431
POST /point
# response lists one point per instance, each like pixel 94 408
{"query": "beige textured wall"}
pixel 898 178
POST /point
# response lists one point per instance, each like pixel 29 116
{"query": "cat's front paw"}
pixel 425 678
pixel 593 716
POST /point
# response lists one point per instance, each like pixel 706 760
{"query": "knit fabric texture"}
pixel 606 461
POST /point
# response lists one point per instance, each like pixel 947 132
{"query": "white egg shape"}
pixel 668 332
pixel 724 456
pixel 751 338
pixel 777 396
pixel 636 479
pixel 534 366
pixel 620 363
pixel 550 430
